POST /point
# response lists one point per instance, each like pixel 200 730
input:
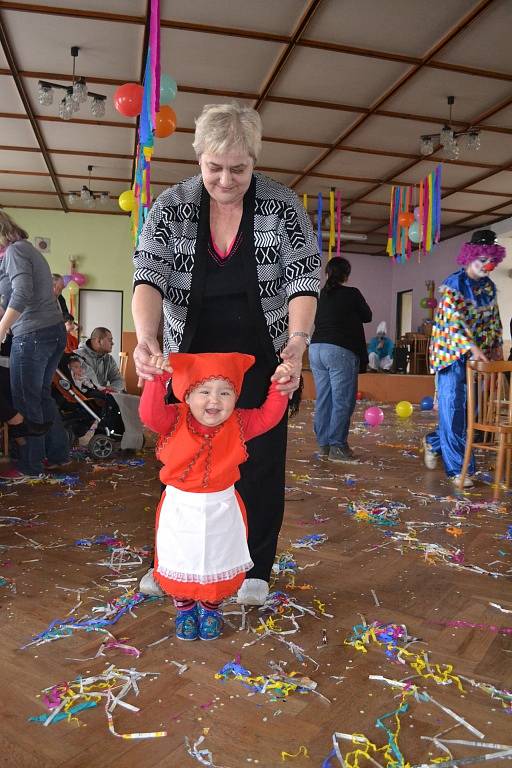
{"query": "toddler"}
pixel 201 552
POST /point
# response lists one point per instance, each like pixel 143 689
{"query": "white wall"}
pixel 440 263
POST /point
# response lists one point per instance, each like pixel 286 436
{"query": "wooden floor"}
pixel 361 570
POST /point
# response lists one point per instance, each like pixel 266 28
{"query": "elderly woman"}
pixel 231 256
pixel 39 338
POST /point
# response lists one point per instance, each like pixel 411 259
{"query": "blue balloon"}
pixel 414 232
pixel 168 89
pixel 427 403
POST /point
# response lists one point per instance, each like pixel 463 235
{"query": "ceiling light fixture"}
pixel 451 141
pixel 87 196
pixel 76 94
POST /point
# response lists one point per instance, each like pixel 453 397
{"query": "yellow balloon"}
pixel 126 201
pixel 72 287
pixel 404 409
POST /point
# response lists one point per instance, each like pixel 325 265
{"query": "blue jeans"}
pixel 34 359
pixel 335 372
pixel 449 439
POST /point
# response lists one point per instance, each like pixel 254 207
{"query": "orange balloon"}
pixel 405 218
pixel 165 122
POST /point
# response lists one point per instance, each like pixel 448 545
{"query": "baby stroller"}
pixel 80 411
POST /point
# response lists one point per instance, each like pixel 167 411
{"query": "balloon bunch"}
pixel 422 225
pixel 157 119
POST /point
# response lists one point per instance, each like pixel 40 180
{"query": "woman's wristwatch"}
pixel 303 335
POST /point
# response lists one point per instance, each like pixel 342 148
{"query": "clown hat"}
pixel 189 370
pixel 482 245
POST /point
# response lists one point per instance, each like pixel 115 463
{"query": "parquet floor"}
pixel 361 570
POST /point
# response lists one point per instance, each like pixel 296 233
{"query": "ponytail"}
pixel 337 270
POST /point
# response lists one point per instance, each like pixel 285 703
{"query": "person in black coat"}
pixel 336 355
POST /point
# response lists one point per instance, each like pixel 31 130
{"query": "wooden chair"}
pixel 490 413
pixel 419 352
pixel 123 362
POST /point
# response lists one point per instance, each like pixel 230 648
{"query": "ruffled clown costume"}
pixel 467 315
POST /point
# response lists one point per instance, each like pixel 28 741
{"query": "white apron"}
pixel 201 537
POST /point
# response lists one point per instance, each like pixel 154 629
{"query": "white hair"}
pixel 222 128
pixel 382 328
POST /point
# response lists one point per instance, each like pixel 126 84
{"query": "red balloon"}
pixel 128 99
pixel 405 218
pixel 165 122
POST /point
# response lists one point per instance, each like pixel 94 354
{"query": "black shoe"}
pixel 338 453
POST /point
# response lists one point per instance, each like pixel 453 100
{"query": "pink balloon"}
pixel 416 213
pixel 79 278
pixel 374 416
pixel 432 303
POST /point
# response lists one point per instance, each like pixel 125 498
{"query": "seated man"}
pixel 380 350
pixel 96 353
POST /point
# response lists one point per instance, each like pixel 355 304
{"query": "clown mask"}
pixel 479 268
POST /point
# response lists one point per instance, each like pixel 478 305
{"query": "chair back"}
pixel 488 394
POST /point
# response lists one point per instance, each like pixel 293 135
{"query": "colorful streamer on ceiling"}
pixel 334 221
pixel 150 106
pixel 423 226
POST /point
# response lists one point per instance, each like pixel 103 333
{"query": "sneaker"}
pixel 252 592
pixel 339 453
pixel 187 627
pixel 323 450
pixel 211 624
pixel 148 585
pixel 468 483
pixel 430 458
pixel 13 474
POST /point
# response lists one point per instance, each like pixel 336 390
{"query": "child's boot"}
pixel 187 627
pixel 211 623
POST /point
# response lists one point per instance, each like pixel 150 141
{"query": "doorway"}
pixel 403 313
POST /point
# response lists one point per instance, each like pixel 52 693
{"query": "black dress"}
pixel 229 318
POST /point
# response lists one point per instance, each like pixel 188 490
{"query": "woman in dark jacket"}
pixel 337 354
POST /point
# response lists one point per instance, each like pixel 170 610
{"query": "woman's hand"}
pixel 287 374
pixel 477 355
pixel 148 357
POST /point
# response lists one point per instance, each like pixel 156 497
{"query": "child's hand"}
pixel 161 362
pixel 283 374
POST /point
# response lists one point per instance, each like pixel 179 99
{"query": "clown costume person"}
pixel 201 552
pixel 466 326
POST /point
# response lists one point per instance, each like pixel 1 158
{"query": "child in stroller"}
pixel 85 408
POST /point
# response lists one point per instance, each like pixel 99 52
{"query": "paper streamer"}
pixel 338 222
pixel 319 223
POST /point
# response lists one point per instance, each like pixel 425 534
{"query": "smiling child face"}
pixel 212 402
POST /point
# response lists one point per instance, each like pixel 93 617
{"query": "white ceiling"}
pixel 345 90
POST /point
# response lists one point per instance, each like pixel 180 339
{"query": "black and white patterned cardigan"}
pixel 285 248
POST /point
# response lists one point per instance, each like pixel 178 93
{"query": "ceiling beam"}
pixel 9 55
pixel 252 34
pixel 447 38
pixel 285 55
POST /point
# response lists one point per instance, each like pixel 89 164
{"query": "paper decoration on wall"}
pixel 43 244
pixel 415 218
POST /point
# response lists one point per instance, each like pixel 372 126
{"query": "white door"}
pixel 101 309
